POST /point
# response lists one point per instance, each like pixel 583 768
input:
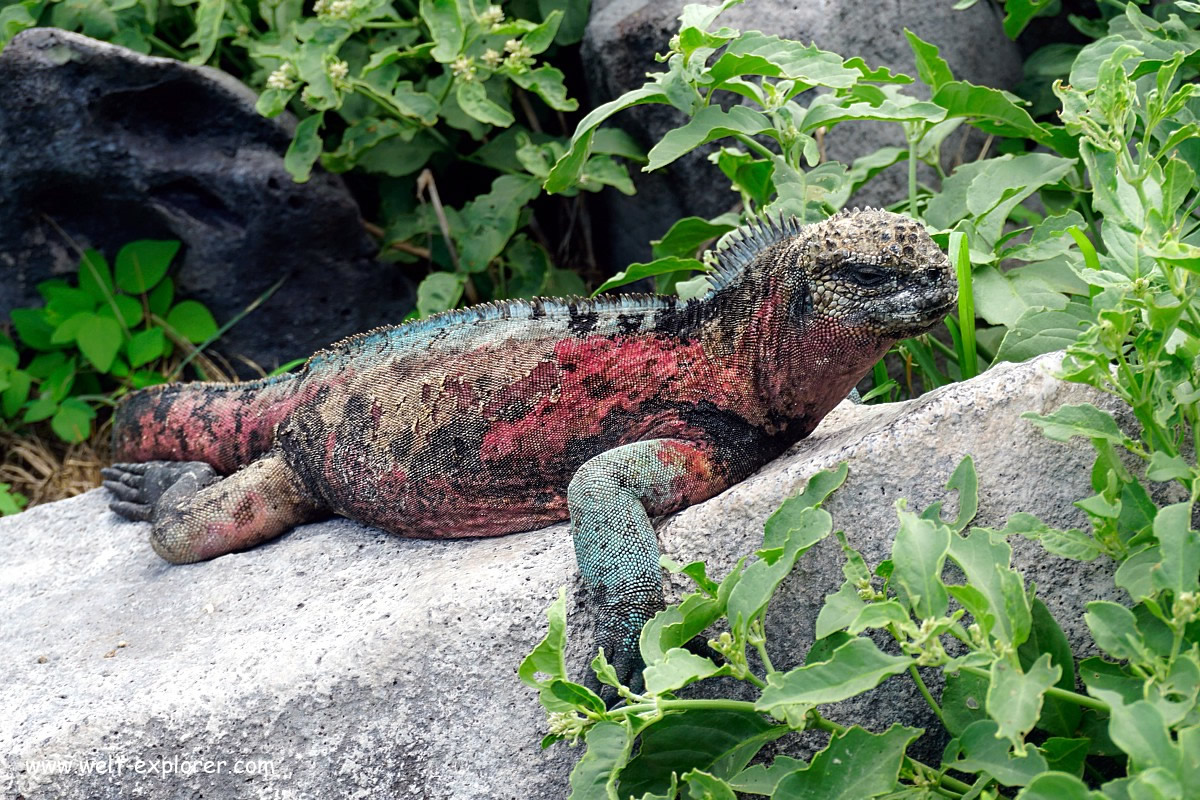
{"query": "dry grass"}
pixel 43 468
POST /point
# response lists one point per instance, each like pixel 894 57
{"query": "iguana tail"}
pixel 227 425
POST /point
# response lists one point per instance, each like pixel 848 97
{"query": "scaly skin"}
pixel 512 416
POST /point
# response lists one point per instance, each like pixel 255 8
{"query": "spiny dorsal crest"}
pixel 746 243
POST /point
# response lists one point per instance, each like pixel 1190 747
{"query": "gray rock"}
pixel 623 36
pixel 356 664
pixel 111 146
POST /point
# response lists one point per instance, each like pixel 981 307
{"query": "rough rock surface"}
pixel 110 146
pixel 623 36
pixel 356 664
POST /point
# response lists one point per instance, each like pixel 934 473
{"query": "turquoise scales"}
pixel 514 415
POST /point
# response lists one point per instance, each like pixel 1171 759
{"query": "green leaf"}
pixel 708 124
pixel 1042 330
pixel 1058 717
pixel 918 553
pixel 1058 786
pixel 964 481
pixel 1138 728
pixel 473 98
pixel 72 422
pixel 984 557
pixel 660 266
pixel 306 146
pixel 675 626
pixel 129 309
pixel 1180 547
pixel 617 142
pixel 1018 13
pixel 964 701
pixel 1014 698
pixel 445 26
pixel 95 277
pixel 687 235
pixel 209 15
pixel 439 291
pixel 10 502
pixel 541 37
pixel 718 741
pixel 702 786
pixel 980 749
pixel 566 171
pixel 142 264
pixel 840 609
pixel 761 779
pixel 273 102
pixel 576 696
pixel 19 17
pixel 547 83
pixel 32 327
pixel 575 17
pixel 993 112
pixel 931 67
pixel 854 668
pixel 13 397
pixel 192 321
pixel 161 296
pixel 1114 629
pixel 855 764
pixel 755 53
pixel 145 346
pixel 421 106
pixel 40 409
pixel 892 109
pixel 678 669
pixel 601 171
pixel 1083 419
pixel 790 515
pixel 546 659
pixel 748 599
pixel 1066 755
pixel 595 776
pixel 878 615
pixel 1136 573
pixel 491 220
pixel 66 330
pixel 99 339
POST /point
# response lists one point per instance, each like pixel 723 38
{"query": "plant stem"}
pixel 761 149
pixel 1054 691
pixel 916 676
pixel 761 647
pixel 170 50
pixel 912 177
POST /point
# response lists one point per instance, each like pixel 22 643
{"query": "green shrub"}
pixel 408 94
pixel 113 331
pixel 1110 273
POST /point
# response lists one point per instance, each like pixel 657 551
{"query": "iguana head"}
pixel 829 299
pixel 875 272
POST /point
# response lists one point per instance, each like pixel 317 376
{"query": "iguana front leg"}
pixel 197 515
pixel 611 499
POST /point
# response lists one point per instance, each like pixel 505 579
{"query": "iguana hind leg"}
pixel 612 498
pixel 197 515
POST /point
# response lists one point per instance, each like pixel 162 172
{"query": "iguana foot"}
pixel 138 487
pixel 196 514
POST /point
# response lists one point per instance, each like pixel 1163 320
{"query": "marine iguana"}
pixel 510 416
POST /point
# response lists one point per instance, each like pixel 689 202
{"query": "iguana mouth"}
pixel 922 320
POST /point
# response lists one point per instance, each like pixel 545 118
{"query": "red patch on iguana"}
pixel 594 378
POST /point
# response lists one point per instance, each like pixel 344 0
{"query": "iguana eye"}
pixel 865 274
